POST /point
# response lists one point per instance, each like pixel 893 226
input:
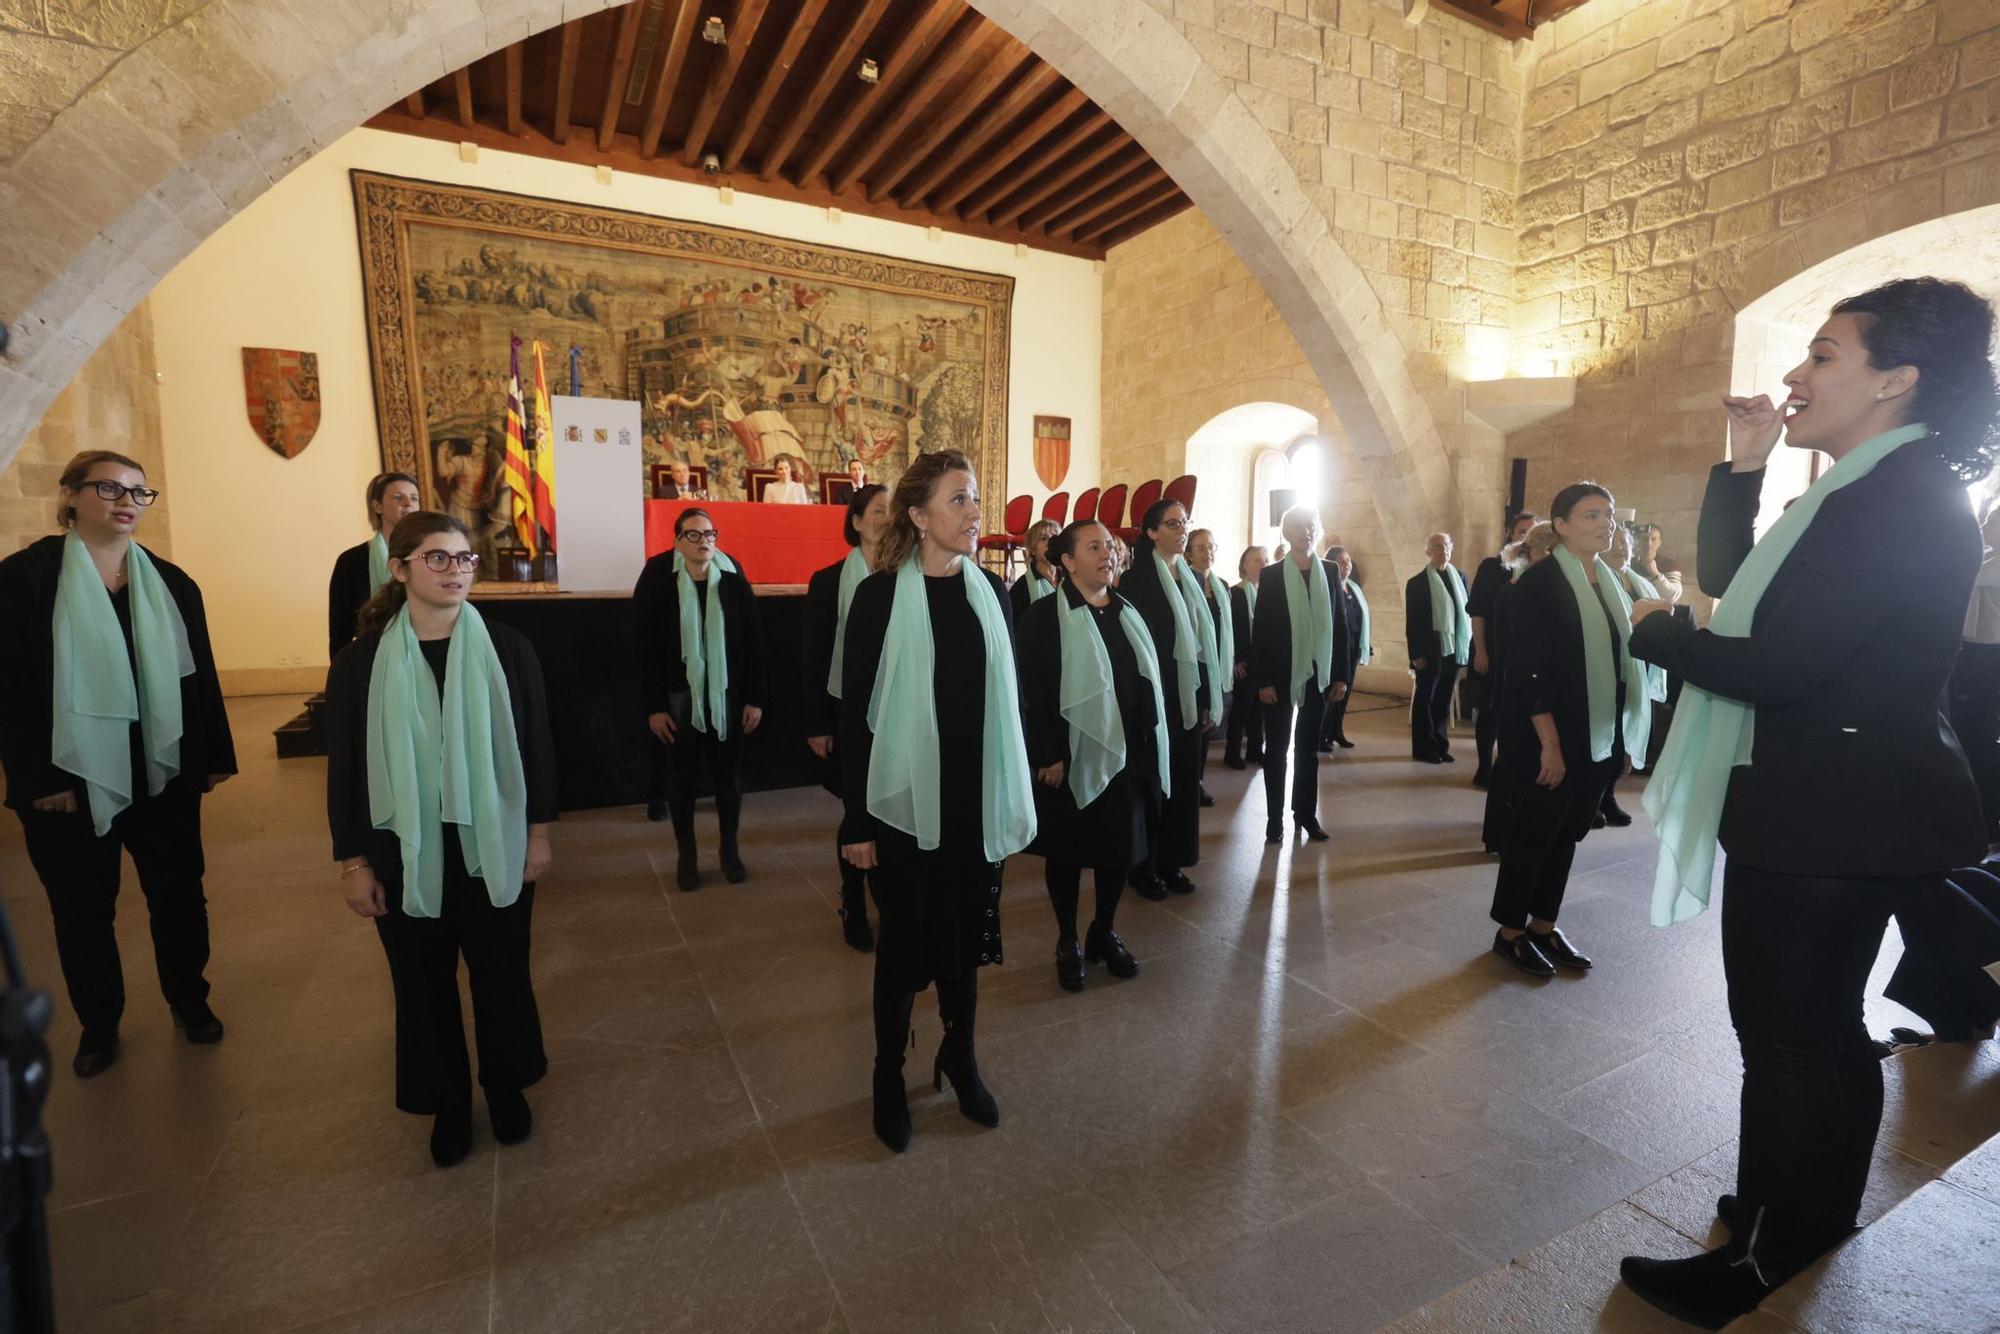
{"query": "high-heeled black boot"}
pixel 958 1000
pixel 687 876
pixel 728 811
pixel 1729 1282
pixel 892 1104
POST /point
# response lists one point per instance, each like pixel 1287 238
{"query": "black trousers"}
pixel 1485 720
pixel 1246 724
pixel 1975 716
pixel 1548 823
pixel 691 752
pixel 1430 712
pixel 433 1072
pixel 1293 730
pixel 1335 726
pixel 1796 953
pixel 80 872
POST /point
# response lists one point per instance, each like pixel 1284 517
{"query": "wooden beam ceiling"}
pixel 959 126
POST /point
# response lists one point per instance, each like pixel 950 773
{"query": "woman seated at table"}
pixel 783 489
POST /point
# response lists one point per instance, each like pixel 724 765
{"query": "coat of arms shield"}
pixel 1052 450
pixel 281 389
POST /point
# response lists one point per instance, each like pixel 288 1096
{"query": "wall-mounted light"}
pixel 713 31
pixel 869 72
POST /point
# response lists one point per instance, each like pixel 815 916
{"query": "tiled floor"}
pixel 1321 1106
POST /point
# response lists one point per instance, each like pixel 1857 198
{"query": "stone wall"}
pixel 114 403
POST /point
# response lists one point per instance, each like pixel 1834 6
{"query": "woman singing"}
pixel 1162 587
pixel 1097 739
pixel 1807 743
pixel 1039 579
pixel 935 774
pixel 359 572
pixel 440 788
pixel 828 598
pixel 112 731
pixel 702 676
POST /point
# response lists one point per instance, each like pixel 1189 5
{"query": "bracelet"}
pixel 347 871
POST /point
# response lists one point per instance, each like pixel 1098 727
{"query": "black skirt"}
pixel 940 912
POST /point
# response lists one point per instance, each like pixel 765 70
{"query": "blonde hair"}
pixel 77 469
pixel 1541 540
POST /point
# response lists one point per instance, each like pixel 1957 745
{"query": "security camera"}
pixel 711 164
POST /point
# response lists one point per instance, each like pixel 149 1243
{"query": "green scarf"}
pixel 1601 673
pixel 1312 628
pixel 454 760
pixel 1225 625
pixel 704 649
pixel 1453 626
pixel 378 562
pixel 1713 734
pixel 1187 653
pixel 1038 587
pixel 852 571
pixel 1203 626
pixel 1639 586
pixel 1361 600
pixel 904 768
pixel 1089 703
pixel 1249 588
pixel 97 698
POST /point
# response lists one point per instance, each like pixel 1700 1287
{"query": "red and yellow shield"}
pixel 1052 450
pixel 281 389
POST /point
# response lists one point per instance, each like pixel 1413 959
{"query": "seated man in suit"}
pixel 1439 633
pixel 785 489
pixel 680 483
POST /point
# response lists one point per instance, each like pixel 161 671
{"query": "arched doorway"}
pixel 1241 457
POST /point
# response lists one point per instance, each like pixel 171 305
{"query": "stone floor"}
pixel 1321 1106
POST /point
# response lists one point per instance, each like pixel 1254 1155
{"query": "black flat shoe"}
pixel 1274 832
pixel 1071 975
pixel 199 1025
pixel 1522 953
pixel 1206 800
pixel 1326 750
pixel 512 1120
pixel 1309 826
pixel 656 811
pixel 1707 1291
pixel 892 1111
pixel 1233 761
pixel 686 877
pixel 451 1136
pixel 854 929
pixel 733 869
pixel 1427 759
pixel 1616 816
pixel 1597 820
pixel 1178 882
pixel 1148 888
pixel 1482 778
pixel 97 1053
pixel 1447 758
pixel 1104 946
pixel 1343 743
pixel 1556 948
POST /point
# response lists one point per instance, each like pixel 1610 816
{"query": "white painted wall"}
pixel 261 532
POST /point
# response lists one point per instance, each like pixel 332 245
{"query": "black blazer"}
pixel 346 721
pixel 818 620
pixel 1017 595
pixel 1855 772
pixel 28 581
pixel 1487 581
pixel 1418 631
pixel 1241 622
pixel 656 606
pixel 1545 670
pixel 1271 643
pixel 346 593
pixel 1142 587
pixel 1346 633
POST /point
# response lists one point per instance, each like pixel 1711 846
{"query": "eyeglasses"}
pixel 114 492
pixel 695 537
pixel 438 562
pixel 1178 525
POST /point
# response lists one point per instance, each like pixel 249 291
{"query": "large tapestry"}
pixel 742 349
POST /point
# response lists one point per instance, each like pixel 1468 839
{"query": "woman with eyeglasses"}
pixel 112 731
pixel 701 672
pixel 1162 586
pixel 360 571
pixel 824 622
pixel 440 789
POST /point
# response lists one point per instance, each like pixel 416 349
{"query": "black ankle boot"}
pixel 198 1024
pixel 1100 945
pixel 451 1136
pixel 512 1119
pixel 958 1001
pixel 1615 815
pixel 95 1054
pixel 1711 1290
pixel 1309 826
pixel 891 1103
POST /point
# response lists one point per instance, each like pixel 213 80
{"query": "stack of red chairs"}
pixel 1106 506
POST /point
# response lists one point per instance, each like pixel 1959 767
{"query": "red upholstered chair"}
pixel 1143 497
pixel 835 488
pixel 1182 489
pixel 1111 507
pixel 1086 506
pixel 1020 511
pixel 1055 507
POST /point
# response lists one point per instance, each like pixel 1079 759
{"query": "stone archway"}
pixel 197 118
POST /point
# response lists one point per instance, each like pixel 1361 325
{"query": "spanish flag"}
pixel 516 472
pixel 545 453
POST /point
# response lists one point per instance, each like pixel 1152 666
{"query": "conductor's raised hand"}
pixel 1755 426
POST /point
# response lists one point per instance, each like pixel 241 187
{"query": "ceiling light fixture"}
pixel 713 31
pixel 869 72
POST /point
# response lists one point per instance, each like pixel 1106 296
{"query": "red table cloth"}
pixel 776 544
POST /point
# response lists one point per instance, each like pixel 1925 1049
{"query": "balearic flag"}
pixel 516 470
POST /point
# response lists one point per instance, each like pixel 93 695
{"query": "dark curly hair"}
pixel 1945 330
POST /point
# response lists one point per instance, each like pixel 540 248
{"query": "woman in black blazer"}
pixel 1245 741
pixel 1856 798
pixel 1294 711
pixel 1040 578
pixel 669 701
pixel 1487 581
pixel 1109 834
pixel 360 570
pixel 824 614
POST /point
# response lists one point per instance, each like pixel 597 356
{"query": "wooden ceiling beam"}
pixel 1005 177
pixel 414 104
pixel 897 70
pixel 1011 60
pixel 1141 222
pixel 1112 158
pixel 660 98
pixel 1114 214
pixel 742 32
pixel 512 62
pixel 1039 80
pixel 774 79
pixel 621 69
pixel 955 52
pixel 1487 14
pixel 839 66
pixel 572 43
pixel 461 84
pixel 1147 177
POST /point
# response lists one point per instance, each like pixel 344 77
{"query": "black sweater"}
pixel 28 580
pixel 346 592
pixel 656 607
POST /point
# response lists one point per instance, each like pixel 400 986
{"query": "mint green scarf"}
pixel 1187 650
pixel 852 571
pixel 1249 587
pixel 1225 624
pixel 378 562
pixel 1203 626
pixel 1453 625
pixel 1639 586
pixel 1088 701
pixel 1713 734
pixel 1038 587
pixel 704 649
pixel 97 698
pixel 1601 673
pixel 904 768
pixel 1312 628
pixel 1361 600
pixel 454 760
